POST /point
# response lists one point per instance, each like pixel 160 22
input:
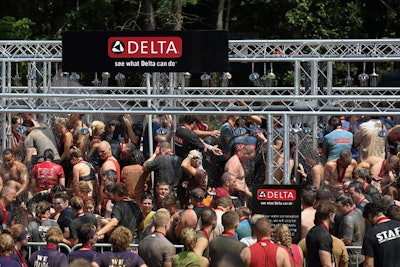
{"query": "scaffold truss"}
pixel 46 90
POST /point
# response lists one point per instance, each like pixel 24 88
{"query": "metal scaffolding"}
pixel 48 91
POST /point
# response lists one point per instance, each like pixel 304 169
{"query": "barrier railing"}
pixel 100 247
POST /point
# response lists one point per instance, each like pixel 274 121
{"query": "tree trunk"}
pixel 176 13
pixel 149 19
pixel 228 14
pixel 220 23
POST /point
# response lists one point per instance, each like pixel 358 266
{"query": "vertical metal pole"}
pixel 8 130
pixel 286 150
pixel 150 117
pixel 297 78
pixel 329 74
pixel 3 90
pixel 270 152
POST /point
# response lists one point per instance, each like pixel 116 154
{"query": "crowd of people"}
pixel 182 183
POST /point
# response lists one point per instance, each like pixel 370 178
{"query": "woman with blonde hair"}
pixel 6 249
pixel 21 236
pixel 282 237
pixel 49 255
pixel 98 129
pixel 120 240
pixel 187 257
pixel 82 171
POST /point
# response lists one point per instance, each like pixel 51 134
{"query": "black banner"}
pixel 280 204
pixel 177 51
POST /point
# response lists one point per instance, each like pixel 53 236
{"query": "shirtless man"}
pixel 308 212
pixel 338 169
pixel 234 166
pixel 381 169
pixel 110 162
pixel 14 174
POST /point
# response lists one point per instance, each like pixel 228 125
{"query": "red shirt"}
pixel 47 174
pixel 263 253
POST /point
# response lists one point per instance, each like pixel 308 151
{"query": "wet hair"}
pixel 120 238
pixel 28 123
pixel 76 203
pixel 308 197
pixel 188 238
pixel 324 209
pixel 58 188
pixel 346 156
pixel 345 200
pixel 110 175
pixel 146 196
pixel 137 157
pixel 87 200
pixel 75 152
pixel 324 193
pixel 162 182
pixel 41 208
pixel 48 154
pixel 335 122
pixel 364 174
pixel 282 236
pixel 62 196
pixel 86 232
pixel 358 187
pixel 189 119
pixel 197 193
pixel 393 212
pixel 120 190
pixel 7 151
pixel 373 209
pixel 168 201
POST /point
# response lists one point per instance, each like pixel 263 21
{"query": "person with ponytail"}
pixel 87 236
pixel 6 249
pixel 21 236
pixel 282 237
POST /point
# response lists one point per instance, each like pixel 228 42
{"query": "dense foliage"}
pixel 265 19
pixel 245 19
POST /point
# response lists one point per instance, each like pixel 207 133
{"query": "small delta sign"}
pixel 178 51
pixel 280 204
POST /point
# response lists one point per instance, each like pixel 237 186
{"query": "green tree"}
pixel 314 19
pixel 12 29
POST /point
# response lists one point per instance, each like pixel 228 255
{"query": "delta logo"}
pixel 145 47
pixel 276 194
